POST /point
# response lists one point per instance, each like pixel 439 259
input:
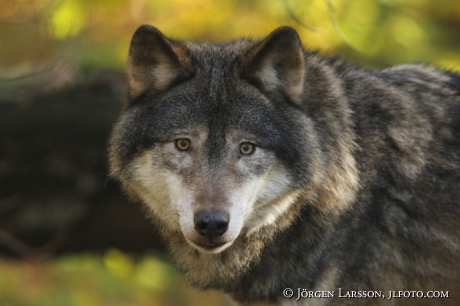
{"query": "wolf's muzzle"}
pixel 211 223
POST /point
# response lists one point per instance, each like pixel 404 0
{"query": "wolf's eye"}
pixel 247 148
pixel 182 144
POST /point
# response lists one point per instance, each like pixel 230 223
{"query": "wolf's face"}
pixel 212 188
pixel 211 141
pixel 210 168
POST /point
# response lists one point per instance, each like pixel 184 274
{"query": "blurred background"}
pixel 67 234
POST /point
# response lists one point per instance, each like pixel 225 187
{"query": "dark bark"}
pixel 55 196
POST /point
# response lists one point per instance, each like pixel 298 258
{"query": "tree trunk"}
pixel 55 196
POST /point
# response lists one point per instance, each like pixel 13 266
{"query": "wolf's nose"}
pixel 211 223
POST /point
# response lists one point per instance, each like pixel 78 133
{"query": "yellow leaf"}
pixel 67 20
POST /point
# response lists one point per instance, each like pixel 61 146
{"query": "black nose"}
pixel 211 223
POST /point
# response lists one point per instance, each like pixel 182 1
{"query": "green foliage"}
pixel 376 33
pixel 90 280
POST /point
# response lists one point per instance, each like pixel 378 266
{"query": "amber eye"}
pixel 183 144
pixel 247 148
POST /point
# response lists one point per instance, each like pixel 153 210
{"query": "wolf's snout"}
pixel 211 223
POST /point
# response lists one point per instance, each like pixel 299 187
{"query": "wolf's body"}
pixel 268 167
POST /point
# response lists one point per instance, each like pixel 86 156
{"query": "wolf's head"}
pixel 213 140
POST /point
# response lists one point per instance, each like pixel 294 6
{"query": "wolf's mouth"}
pixel 211 245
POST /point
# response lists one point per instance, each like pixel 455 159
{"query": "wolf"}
pixel 283 177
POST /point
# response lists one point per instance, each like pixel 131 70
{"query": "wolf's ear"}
pixel 156 63
pixel 276 63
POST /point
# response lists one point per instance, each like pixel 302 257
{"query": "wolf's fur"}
pixel 354 182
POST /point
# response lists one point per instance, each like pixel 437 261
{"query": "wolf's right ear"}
pixel 156 63
pixel 276 64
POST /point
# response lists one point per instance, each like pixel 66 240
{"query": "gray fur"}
pixel 372 156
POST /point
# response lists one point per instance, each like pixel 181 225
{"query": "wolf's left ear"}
pixel 156 63
pixel 276 63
